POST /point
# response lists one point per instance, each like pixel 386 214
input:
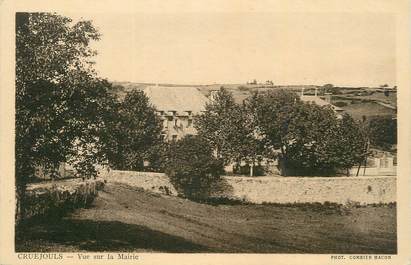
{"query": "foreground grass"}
pixel 126 219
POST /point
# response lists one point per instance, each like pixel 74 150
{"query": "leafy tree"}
pixel 246 144
pixel 228 129
pixel 383 132
pixel 345 146
pixel 58 96
pixel 328 88
pixel 309 138
pixel 216 123
pixel 192 167
pixel 133 133
pixel 305 144
pixel 272 113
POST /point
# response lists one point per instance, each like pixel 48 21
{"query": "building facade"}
pixel 177 107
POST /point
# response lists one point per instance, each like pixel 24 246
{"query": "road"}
pixel 123 218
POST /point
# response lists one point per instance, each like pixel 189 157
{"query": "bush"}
pixel 192 168
pixel 243 88
pixel 340 104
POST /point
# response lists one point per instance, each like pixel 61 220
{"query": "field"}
pixel 123 219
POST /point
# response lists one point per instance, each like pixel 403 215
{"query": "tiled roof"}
pixel 179 99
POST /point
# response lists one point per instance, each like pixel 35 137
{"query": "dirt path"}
pixel 127 219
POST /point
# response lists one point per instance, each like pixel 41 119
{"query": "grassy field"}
pixel 123 219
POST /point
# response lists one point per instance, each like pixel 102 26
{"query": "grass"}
pixel 87 235
pixel 126 219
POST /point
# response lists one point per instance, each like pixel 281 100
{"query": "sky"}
pixel 346 49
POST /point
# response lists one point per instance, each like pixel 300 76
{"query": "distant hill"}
pixel 240 91
pixel 357 101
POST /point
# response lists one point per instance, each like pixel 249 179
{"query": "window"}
pixel 189 123
pixel 174 137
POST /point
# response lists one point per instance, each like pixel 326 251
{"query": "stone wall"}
pixel 275 189
pixel 151 181
pixel 342 190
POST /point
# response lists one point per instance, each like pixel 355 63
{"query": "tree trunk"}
pixel 252 169
pixel 358 170
pixel 282 166
pixel 20 193
pixel 366 154
pixel 283 162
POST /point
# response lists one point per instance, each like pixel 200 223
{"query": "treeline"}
pixel 307 139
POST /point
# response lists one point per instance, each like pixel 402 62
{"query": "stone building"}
pixel 177 107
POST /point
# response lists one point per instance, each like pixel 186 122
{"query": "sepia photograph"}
pixel 206 133
pixel 284 152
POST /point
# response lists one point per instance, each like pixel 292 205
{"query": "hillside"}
pixel 123 219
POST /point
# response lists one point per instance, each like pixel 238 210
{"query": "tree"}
pixel 133 133
pixel 309 138
pixel 227 127
pixel 192 168
pixel 328 88
pixel 349 145
pixel 216 124
pixel 245 144
pixel 382 132
pixel 58 96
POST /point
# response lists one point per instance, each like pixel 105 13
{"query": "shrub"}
pixel 192 168
pixel 243 88
pixel 340 104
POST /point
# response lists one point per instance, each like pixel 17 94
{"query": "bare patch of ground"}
pixel 123 219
